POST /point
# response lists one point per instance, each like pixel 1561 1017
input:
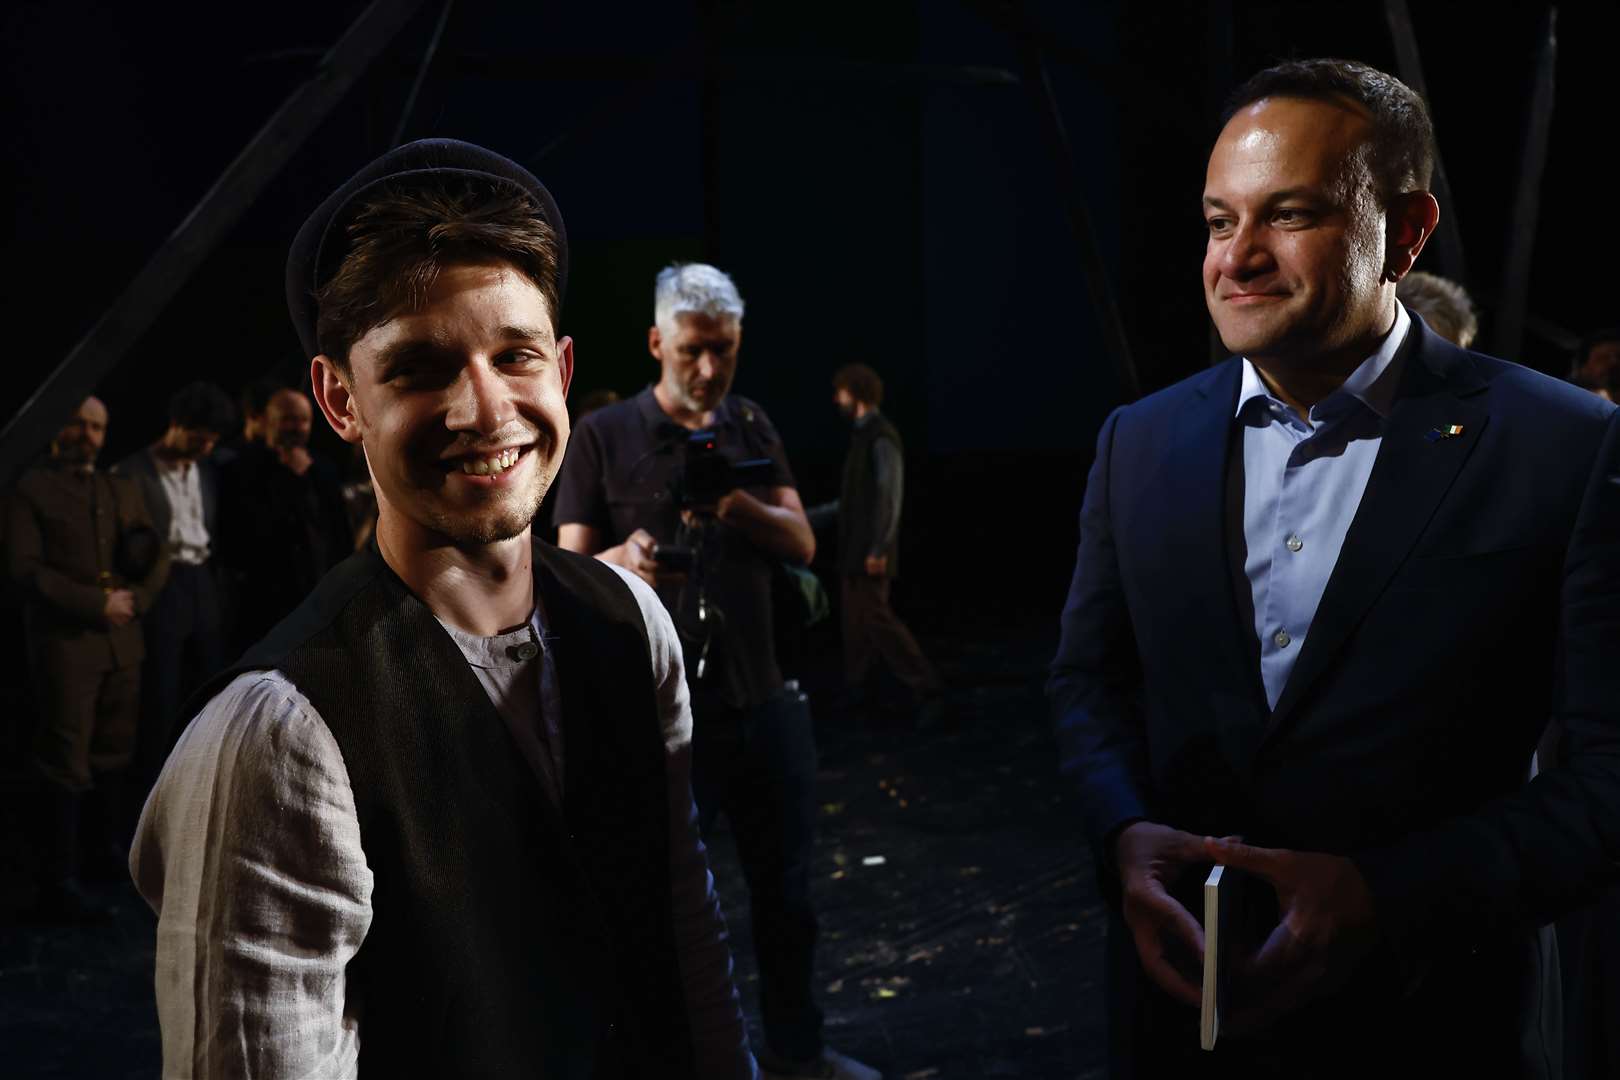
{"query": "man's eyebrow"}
pixel 410 349
pixel 1302 194
pixel 524 333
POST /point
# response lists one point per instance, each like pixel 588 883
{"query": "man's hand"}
pixel 1151 859
pixel 773 521
pixel 295 458
pixel 877 565
pixel 636 556
pixel 119 609
pixel 1324 927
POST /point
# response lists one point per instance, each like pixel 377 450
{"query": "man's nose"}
pixel 479 402
pixel 707 366
pixel 1245 253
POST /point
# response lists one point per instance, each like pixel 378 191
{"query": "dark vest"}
pixel 509 938
pixel 857 500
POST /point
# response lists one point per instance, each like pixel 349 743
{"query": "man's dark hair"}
pixel 202 406
pixel 1577 363
pixel 256 395
pixel 406 234
pixel 1402 151
pixel 862 382
pixel 1593 340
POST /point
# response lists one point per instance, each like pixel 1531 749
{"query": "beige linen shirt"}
pixel 249 850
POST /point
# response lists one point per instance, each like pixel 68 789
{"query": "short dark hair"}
pixel 202 406
pixel 407 233
pixel 1577 362
pixel 1402 150
pixel 255 396
pixel 862 382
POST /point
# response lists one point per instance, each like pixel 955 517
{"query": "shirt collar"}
pixel 1372 383
pixel 660 423
pixel 871 414
pixel 501 650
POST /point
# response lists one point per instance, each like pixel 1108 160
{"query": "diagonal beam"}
pixel 1109 322
pixel 243 180
pixel 1508 337
pixel 1409 64
pixel 421 74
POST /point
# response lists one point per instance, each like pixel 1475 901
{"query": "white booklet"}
pixel 1209 1020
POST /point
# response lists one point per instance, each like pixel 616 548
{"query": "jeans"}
pixel 758 767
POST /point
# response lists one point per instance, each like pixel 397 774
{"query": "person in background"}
pixel 185 628
pixel 73 535
pixel 867 513
pixel 283 522
pixel 596 399
pixel 1596 365
pixel 1442 303
pixel 620 497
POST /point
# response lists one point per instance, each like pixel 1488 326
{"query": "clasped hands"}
pixel 1324 924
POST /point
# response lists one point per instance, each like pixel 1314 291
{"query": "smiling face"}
pixel 460 405
pixel 1294 269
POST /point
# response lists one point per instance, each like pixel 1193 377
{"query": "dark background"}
pixel 881 186
pixel 872 174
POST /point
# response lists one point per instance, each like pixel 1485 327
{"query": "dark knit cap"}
pixel 319 248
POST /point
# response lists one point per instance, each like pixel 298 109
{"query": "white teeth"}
pixel 491 466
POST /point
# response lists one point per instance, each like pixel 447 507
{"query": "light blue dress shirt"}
pixel 1302 484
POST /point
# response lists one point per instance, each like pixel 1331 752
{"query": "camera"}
pixel 707 473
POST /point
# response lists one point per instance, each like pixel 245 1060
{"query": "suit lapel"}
pixel 1418 459
pixel 1193 479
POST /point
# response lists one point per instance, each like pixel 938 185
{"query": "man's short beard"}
pixel 504 525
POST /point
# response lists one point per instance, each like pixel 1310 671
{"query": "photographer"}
pixel 705 521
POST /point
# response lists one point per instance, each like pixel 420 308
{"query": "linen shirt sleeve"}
pixel 249 851
pixel 702 942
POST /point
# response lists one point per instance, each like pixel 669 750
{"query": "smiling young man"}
pixel 1327 595
pixel 439 821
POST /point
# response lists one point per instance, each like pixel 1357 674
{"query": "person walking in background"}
pixel 867 513
pixel 83 556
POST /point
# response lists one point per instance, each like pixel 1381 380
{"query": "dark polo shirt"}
pixel 617 478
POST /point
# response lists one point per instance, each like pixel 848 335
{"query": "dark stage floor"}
pixel 961 928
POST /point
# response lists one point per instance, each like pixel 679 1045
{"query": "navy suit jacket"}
pixel 1476 596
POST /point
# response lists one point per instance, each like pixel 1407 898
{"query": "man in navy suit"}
pixel 1328 594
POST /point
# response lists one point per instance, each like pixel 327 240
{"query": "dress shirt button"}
pixel 1282 639
pixel 1295 543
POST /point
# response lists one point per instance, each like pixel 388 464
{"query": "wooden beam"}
pixel 1098 285
pixel 1448 243
pixel 1507 336
pixel 202 230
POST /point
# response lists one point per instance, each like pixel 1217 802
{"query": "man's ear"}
pixel 1412 219
pixel 565 362
pixel 332 394
pixel 655 342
